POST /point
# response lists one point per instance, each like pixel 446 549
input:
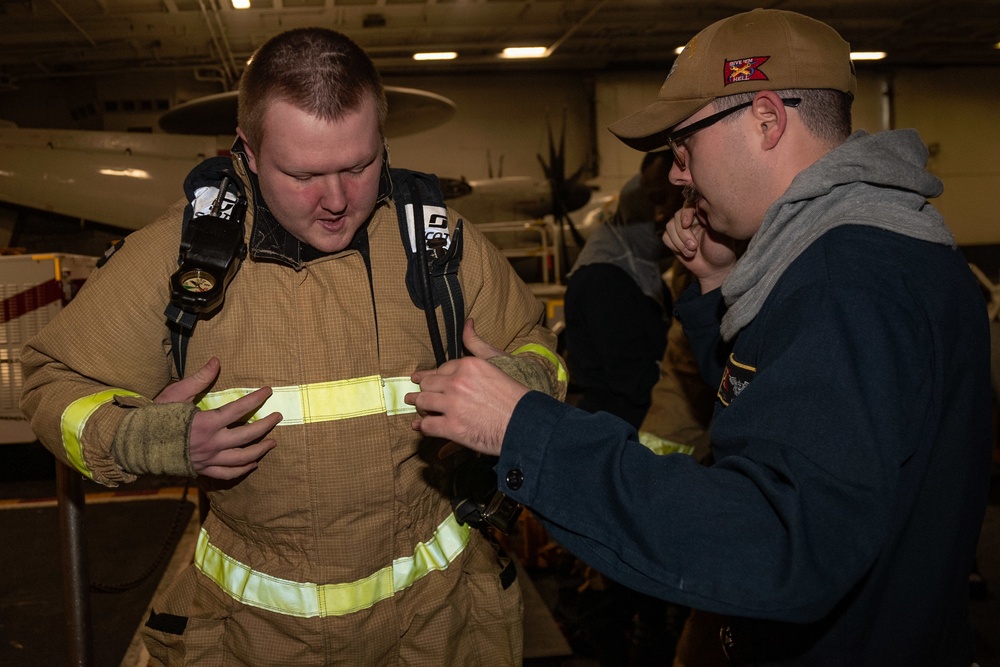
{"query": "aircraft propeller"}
pixel 568 194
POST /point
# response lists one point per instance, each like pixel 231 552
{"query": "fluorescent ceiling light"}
pixel 441 55
pixel 241 4
pixel 867 55
pixel 525 52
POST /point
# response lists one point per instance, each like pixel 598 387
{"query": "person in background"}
pixel 326 541
pixel 617 305
pixel 618 309
pixel 681 402
pixel 850 346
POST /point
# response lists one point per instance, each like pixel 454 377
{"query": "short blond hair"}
pixel 320 71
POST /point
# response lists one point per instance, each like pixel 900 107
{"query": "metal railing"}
pixel 517 238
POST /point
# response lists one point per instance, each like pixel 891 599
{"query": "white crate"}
pixel 34 288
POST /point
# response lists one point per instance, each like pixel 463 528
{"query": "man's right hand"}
pixel 469 400
pixel 710 256
pixel 216 450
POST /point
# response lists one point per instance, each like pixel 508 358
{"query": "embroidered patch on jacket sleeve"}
pixel 735 379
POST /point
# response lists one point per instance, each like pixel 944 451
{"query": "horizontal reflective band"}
pixel 659 445
pixel 542 351
pixel 308 600
pixel 74 420
pixel 326 401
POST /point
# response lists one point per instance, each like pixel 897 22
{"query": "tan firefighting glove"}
pixel 153 440
pixel 526 371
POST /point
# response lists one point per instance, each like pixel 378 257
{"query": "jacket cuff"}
pixel 153 440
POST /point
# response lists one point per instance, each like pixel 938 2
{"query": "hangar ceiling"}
pixel 48 39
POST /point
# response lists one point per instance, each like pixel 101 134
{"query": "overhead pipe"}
pixel 216 10
pixel 576 26
pixel 73 22
pixel 201 75
pixel 229 71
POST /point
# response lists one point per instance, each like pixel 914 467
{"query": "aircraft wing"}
pixel 123 179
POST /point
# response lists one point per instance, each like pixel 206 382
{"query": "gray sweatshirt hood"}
pixel 877 180
pixel 629 241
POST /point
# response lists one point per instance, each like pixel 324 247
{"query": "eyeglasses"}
pixel 676 139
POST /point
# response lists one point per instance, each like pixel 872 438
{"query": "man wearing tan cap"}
pixel 850 348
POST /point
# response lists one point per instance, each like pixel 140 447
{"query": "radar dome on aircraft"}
pixel 410 111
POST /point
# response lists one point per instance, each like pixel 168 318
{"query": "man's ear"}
pixel 251 156
pixel 770 117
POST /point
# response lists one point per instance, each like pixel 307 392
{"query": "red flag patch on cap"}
pixel 745 69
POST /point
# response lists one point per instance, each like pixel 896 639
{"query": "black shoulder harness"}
pixel 432 273
pixel 212 249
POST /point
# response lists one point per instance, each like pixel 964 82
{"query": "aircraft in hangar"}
pixel 124 180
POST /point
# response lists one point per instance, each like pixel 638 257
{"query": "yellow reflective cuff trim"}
pixel 548 354
pixel 308 600
pixel 74 421
pixel 325 401
pixel 659 445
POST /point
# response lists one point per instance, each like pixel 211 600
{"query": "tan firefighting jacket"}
pixel 339 548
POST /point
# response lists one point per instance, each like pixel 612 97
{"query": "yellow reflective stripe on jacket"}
pixel 548 354
pixel 662 446
pixel 74 420
pixel 326 401
pixel 308 600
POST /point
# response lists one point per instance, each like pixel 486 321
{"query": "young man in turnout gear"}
pixel 849 345
pixel 327 542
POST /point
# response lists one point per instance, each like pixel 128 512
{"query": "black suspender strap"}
pixel 423 277
pixel 434 253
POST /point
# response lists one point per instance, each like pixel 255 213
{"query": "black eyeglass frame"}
pixel 675 139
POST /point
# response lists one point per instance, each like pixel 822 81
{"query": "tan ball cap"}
pixel 763 49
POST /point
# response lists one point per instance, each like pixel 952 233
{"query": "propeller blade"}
pixel 562 147
pixel 568 194
pixel 545 168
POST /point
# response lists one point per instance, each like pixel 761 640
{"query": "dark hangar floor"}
pixel 157 528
